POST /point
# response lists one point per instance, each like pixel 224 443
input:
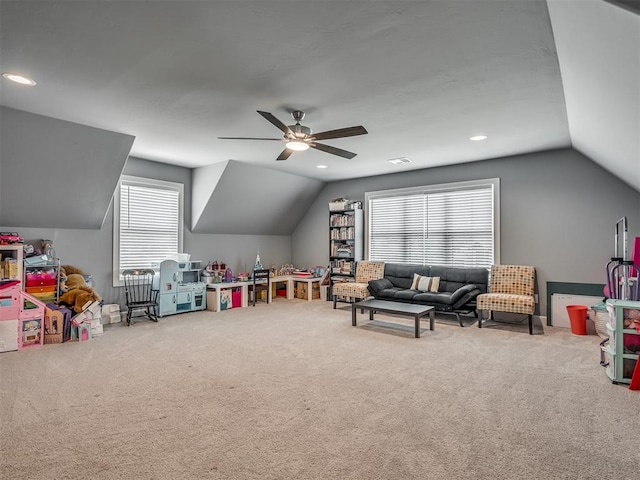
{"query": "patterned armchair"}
pixel 358 289
pixel 511 290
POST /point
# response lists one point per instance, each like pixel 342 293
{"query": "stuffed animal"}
pixel 75 293
pixel 75 280
pixel 65 271
pixel 47 248
pixel 69 269
pixel 79 298
pixel 62 284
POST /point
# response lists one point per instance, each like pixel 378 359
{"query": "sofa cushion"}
pixel 425 284
pixel 401 275
pixel 454 299
pixel 375 286
pixel 390 293
pixel 351 289
pixel 430 298
pixel 405 295
pixel 452 278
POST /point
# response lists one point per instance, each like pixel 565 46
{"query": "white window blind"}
pixel 147 223
pixel 453 224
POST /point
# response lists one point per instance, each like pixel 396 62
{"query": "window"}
pixel 147 223
pixel 454 224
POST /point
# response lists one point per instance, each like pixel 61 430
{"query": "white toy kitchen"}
pixel 179 287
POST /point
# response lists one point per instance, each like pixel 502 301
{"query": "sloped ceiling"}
pixel 598 47
pixel 55 173
pixel 242 199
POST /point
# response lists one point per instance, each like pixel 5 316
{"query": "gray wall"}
pixel 558 212
pixel 251 200
pixel 91 250
pixel 57 173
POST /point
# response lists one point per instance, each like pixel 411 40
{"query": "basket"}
pixel 338 205
pixel 600 319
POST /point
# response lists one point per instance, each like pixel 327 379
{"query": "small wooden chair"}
pixel 139 293
pixel 261 282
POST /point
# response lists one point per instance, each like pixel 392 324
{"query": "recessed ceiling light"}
pixel 399 160
pixel 477 138
pixel 14 77
pixel 322 166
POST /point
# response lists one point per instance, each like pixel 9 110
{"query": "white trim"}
pixel 147 182
pixel 464 185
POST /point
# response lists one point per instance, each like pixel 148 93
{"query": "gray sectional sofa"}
pixel 456 293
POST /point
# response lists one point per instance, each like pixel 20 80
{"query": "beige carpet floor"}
pixel 291 390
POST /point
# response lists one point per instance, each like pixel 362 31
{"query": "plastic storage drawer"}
pixel 41 278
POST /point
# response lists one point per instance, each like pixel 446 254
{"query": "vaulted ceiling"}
pixel 422 77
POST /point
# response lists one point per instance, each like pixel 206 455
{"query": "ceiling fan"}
pixel 299 137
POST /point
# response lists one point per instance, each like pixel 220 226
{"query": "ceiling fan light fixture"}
pixel 297 145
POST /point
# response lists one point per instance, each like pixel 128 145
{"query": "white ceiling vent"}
pixel 399 160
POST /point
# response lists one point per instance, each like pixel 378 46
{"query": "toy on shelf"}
pixel 7 238
pixel 215 272
pixel 47 248
pixel 228 275
pixel 258 264
pixel 286 269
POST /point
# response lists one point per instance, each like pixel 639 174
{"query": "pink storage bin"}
pixel 10 301
pixel 236 298
pixel 40 278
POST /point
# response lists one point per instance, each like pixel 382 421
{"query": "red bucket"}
pixel 578 319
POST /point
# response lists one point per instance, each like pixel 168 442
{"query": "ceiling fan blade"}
pixel 270 118
pixel 333 150
pixel 340 133
pixel 250 138
pixel 286 153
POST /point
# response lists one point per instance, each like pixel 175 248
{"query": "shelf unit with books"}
pixel 346 242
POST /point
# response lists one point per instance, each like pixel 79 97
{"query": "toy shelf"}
pixel 43 281
pixel 623 349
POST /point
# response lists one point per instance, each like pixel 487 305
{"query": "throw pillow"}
pixel 425 284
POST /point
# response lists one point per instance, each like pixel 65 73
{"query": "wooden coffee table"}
pixel 396 308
